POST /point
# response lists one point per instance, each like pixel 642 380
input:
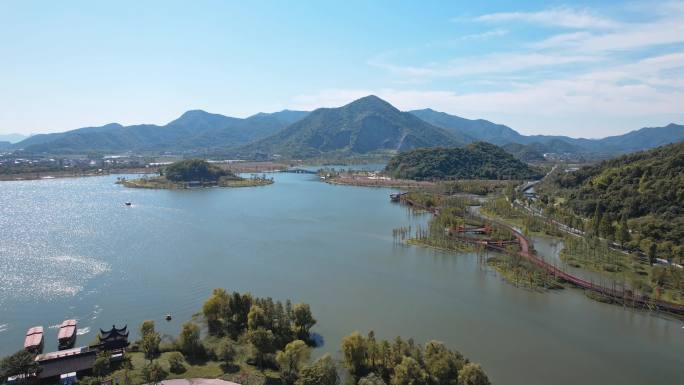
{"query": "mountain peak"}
pixel 194 114
pixel 370 102
pixel 200 117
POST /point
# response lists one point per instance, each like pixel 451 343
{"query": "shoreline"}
pixel 238 167
pixel 366 181
pixel 158 183
pixel 64 174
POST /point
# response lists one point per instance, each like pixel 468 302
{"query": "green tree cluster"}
pixel 479 160
pixel 401 362
pixel 21 363
pixel 267 324
pixel 195 170
pixel 321 372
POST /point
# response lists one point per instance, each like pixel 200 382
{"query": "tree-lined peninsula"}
pixel 195 173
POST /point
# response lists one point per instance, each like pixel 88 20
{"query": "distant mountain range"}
pixel 12 138
pixel 484 130
pixel 194 131
pixel 369 125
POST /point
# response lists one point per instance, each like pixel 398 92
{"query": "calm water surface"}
pixel 69 248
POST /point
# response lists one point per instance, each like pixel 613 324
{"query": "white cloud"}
pixel 489 64
pixel 595 104
pixel 485 35
pixel 601 79
pixel 559 17
pixel 632 36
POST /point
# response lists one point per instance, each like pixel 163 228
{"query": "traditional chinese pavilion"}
pixel 113 339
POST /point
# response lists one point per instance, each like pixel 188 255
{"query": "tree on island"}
pixel 195 170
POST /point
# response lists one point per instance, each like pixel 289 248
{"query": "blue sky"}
pixel 588 69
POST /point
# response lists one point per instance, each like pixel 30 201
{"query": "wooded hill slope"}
pixel 479 160
pixel 645 190
pixel 366 125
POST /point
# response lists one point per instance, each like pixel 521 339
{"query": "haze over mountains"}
pixel 12 138
pixel 365 126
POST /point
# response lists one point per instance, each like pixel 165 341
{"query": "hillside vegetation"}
pixel 367 125
pixel 476 161
pixel 636 199
pixel 194 131
pixel 479 129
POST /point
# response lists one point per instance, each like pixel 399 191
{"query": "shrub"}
pixel 176 362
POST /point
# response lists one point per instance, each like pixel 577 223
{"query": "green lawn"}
pixel 242 373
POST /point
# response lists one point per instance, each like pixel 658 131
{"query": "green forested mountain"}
pixel 471 130
pixel 478 160
pixel 367 125
pixel 535 151
pixel 195 130
pixel 524 152
pixel 644 190
pixel 499 134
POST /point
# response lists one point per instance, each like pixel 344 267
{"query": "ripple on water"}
pixel 35 277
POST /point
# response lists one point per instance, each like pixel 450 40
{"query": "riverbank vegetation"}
pixel 257 341
pixel 634 272
pixel 194 173
pixel 500 207
pixel 625 269
pixel 522 273
pixel 371 361
pixel 455 212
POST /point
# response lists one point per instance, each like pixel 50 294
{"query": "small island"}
pixel 194 173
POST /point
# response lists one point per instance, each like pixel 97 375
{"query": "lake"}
pixel 69 248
